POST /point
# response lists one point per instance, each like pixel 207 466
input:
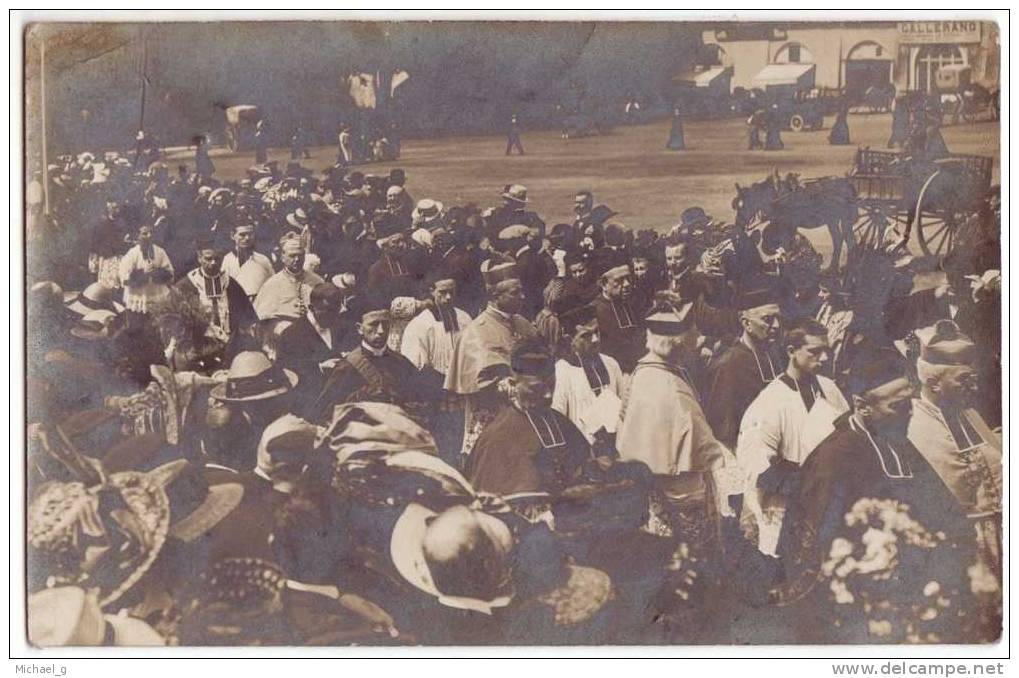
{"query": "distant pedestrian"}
pixel 773 130
pixel 261 143
pixel 676 142
pixel 203 164
pixel 754 124
pixel 513 137
pixel 839 135
pixel 900 122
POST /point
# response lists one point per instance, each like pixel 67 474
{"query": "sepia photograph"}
pixel 485 333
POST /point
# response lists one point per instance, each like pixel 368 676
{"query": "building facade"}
pixel 853 55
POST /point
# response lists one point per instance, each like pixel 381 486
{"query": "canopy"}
pixel 701 78
pixel 785 74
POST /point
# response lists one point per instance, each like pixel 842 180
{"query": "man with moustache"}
pixel 662 423
pixel 372 372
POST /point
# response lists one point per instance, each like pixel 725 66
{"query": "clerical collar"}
pixel 377 352
pixel 545 426
pixel 621 311
pixel 448 318
pixel 892 463
pixel 809 389
pixel 243 256
pixel 765 368
pixel 594 369
pixel 966 437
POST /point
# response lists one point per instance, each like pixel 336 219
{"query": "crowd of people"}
pixel 303 408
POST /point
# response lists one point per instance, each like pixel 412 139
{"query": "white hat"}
pixel 394 191
pixel 68 616
pixel 406 548
pixel 516 192
pixel 427 210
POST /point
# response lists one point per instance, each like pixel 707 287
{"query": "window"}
pixel 793 53
pixel 932 57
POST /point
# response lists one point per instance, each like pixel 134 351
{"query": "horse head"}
pixel 753 201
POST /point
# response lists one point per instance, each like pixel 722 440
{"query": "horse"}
pixel 791 205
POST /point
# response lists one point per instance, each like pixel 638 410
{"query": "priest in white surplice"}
pixel 782 427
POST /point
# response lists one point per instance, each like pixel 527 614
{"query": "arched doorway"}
pixel 929 59
pixel 868 64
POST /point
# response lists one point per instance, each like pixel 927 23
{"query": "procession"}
pixel 297 394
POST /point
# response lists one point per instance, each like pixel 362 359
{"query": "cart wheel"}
pixel 869 230
pixel 797 123
pixel 938 232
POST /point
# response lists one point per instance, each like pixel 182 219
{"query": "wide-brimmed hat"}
pixel 69 527
pixel 426 211
pixel 516 192
pixel 407 550
pixel 69 616
pixel 253 377
pixel 94 325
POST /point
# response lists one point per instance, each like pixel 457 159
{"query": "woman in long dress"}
pixel 676 141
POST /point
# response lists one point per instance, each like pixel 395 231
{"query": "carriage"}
pixel 942 198
pixel 947 200
pixel 960 97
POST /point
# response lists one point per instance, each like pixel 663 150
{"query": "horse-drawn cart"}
pixel 940 197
